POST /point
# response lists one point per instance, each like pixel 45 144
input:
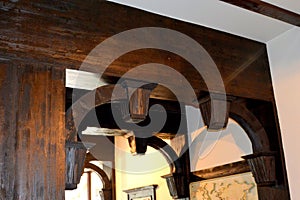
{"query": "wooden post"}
pixel 32 136
pixel 89 186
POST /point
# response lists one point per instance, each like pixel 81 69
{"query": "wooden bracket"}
pixel 176 183
pixel 262 166
pixel 138 145
pixel 215 110
pixel 138 94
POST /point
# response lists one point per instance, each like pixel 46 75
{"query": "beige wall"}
pixel 137 171
pixel 284 57
pixel 210 149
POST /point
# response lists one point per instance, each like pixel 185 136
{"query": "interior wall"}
pixel 137 171
pixel 211 149
pixel 284 58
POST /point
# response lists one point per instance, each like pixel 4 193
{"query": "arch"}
pixel 167 151
pixel 107 188
pixel 79 109
pixel 219 148
pixel 101 173
pixel 106 94
pixel 252 126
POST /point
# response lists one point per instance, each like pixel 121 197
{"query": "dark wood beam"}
pixel 268 10
pixel 224 170
pixel 63 33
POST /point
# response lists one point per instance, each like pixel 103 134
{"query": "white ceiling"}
pixel 220 16
pixel 292 5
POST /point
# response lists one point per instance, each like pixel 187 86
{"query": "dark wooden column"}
pixel 32 136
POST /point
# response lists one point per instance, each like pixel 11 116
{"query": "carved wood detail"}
pixel 75 157
pixel 215 110
pixel 262 166
pixel 137 103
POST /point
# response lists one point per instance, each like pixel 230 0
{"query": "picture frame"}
pixel 142 193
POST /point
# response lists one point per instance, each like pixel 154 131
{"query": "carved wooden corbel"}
pixel 176 183
pixel 135 109
pixel 262 166
pixel 215 110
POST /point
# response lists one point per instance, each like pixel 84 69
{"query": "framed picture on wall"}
pixel 238 186
pixel 143 198
pixel 142 193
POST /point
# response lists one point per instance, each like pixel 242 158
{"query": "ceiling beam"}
pixel 267 10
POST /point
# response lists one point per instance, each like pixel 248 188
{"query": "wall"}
pixel 210 149
pixel 137 171
pixel 284 58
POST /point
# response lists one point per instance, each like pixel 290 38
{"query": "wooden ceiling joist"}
pixel 267 10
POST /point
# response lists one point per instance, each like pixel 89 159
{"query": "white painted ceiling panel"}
pixel 291 5
pixel 217 15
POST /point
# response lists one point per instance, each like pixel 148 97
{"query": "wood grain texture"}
pixel 224 170
pixel 32 132
pixel 65 32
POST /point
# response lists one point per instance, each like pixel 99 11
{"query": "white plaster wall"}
pixel 137 171
pixel 284 58
pixel 210 149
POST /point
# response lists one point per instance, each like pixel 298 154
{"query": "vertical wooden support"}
pixel 89 184
pixel 32 136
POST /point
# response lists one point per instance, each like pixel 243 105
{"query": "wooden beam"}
pixel 64 33
pixel 267 10
pixel 224 170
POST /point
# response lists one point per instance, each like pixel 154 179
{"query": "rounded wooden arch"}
pixel 104 178
pixel 167 151
pixel 254 129
pixel 106 94
pixel 107 186
pixel 79 109
pixel 252 126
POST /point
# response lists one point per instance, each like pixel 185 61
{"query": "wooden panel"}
pixel 8 130
pixel 32 133
pixel 65 32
